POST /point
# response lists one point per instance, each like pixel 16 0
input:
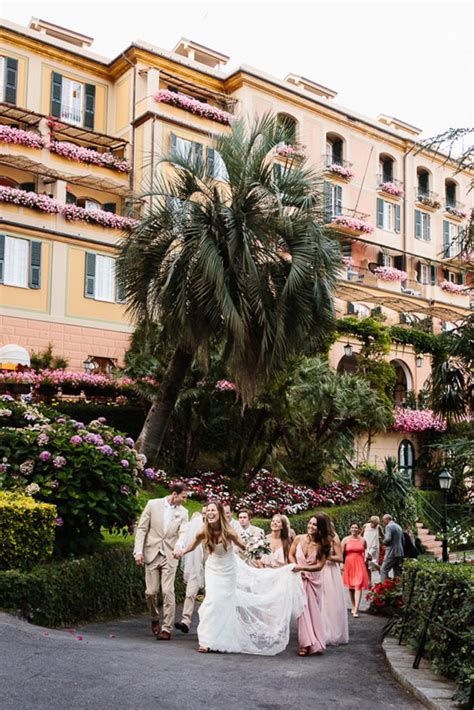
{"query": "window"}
pixel 424 274
pixel 387 260
pixel 386 168
pixel 20 262
pixel 451 239
pixel 72 101
pixel 215 166
pixel 8 79
pixel 406 458
pixel 450 193
pixel 101 282
pixel 334 150
pixel 423 181
pixel 289 124
pixel 388 216
pixel 332 200
pixel 358 309
pixel 422 226
pixel 186 149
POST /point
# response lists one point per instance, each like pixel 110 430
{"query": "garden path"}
pixel 119 665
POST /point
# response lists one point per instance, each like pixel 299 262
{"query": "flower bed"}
pixel 353 223
pixel 16 136
pixel 388 273
pixel 385 597
pixel 29 199
pixel 455 212
pixel 454 288
pixel 340 170
pixel 88 155
pixel 414 420
pixel 199 108
pixel 289 151
pixel 106 219
pixel 391 189
pixel 61 378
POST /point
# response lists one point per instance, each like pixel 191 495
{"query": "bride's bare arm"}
pixel 197 540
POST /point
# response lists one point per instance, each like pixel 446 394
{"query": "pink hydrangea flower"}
pixel 415 420
pixel 73 213
pixel 76 440
pixel 391 188
pixel 340 170
pixel 45 456
pixel 454 288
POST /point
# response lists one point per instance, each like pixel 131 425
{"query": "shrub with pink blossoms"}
pixel 454 288
pixel 29 199
pixel 388 273
pixel 16 136
pixel 391 188
pixel 88 155
pixel 415 420
pixel 199 108
pixel 73 213
pixel 225 386
pixel 353 223
pixel 289 151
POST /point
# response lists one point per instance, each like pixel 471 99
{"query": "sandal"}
pixel 303 651
pixel 204 649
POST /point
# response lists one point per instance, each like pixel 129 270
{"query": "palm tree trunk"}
pixel 158 418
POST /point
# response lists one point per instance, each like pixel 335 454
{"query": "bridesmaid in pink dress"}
pixel 309 552
pixel 333 602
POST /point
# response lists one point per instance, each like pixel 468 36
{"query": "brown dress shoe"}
pixel 155 627
pixel 164 636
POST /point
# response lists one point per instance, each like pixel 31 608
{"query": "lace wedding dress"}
pixel 246 609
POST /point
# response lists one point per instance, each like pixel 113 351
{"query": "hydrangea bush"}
pixel 91 474
pixel 29 199
pixel 450 287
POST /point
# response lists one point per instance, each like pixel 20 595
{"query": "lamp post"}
pixel 348 350
pixel 419 361
pixel 445 479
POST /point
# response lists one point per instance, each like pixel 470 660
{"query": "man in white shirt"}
pixel 160 534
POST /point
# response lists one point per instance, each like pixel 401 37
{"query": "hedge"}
pixel 105 585
pixel 450 654
pixel 128 418
pixel 26 531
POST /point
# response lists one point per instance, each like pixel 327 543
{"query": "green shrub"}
pixel 107 584
pixel 26 531
pixel 128 418
pixel 450 654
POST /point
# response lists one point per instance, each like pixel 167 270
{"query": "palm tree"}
pixel 243 261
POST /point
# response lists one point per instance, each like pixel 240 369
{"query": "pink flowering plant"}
pixel 340 170
pixel 450 287
pixel 92 473
pixel 456 212
pixel 16 136
pixel 416 420
pixel 73 213
pixel 88 155
pixel 353 223
pixel 33 200
pixel 289 151
pixel 389 273
pixel 391 188
pixel 199 108
pixel 66 379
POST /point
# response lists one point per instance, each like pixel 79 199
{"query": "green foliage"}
pixel 26 531
pixel 128 418
pixel 449 653
pixel 421 341
pixel 107 584
pixel 45 360
pixel 392 492
pixel 76 469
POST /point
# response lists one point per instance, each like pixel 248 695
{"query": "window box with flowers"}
pixel 198 108
pixel 290 151
pixel 389 273
pixel 32 200
pixel 73 213
pixel 416 420
pixel 428 201
pixel 451 287
pixel 340 171
pixel 456 212
pixel 353 225
pixel 88 155
pixel 391 188
pixel 16 136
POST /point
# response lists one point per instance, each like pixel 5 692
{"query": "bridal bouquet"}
pixel 257 546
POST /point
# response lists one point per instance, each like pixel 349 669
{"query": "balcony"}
pixel 389 186
pixel 427 199
pixel 455 209
pixel 337 167
pixel 348 221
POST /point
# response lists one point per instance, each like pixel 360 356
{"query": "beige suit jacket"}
pixel 151 536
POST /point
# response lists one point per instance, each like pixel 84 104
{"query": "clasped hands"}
pixel 177 553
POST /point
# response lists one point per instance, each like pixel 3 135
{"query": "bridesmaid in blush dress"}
pixel 355 576
pixel 279 539
pixel 333 602
pixel 309 553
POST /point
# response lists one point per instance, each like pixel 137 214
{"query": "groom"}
pixel 160 534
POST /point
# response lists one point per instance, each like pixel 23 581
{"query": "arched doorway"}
pixel 403 383
pixel 348 363
pixel 406 458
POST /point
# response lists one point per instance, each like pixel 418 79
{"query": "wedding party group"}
pixel 254 584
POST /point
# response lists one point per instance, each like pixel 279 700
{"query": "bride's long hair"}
pixel 223 528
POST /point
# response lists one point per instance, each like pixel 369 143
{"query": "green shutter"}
pixel 11 80
pixel 433 274
pixel 56 93
pixel 2 256
pixel 460 278
pixel 338 199
pixel 397 218
pixel 210 165
pixel 89 287
pixel 428 228
pixel 350 308
pixel 197 156
pixel 379 212
pixel 446 238
pixel 110 207
pixel 172 143
pixel 120 293
pixel 328 210
pixel 35 265
pixel 398 262
pixel 445 275
pixel 380 258
pixel 89 106
pixel 417 224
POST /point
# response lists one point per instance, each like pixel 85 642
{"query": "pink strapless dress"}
pixel 310 624
pixel 333 605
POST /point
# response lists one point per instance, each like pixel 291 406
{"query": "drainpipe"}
pixel 132 142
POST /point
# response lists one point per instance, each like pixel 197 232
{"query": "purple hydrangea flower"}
pixel 98 440
pixel 125 490
pixel 76 439
pixel 90 438
pixel 118 440
pixel 61 420
pixel 44 456
pixel 59 461
pixel 149 473
pixel 43 439
pixel 79 425
pixel 125 463
pixel 105 449
pixel 58 522
pixel 102 420
pixel 130 443
pixel 54 483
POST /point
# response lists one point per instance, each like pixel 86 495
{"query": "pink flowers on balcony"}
pixel 388 273
pixel 416 420
pixel 454 288
pixel 29 199
pixel 88 155
pixel 391 189
pixel 199 108
pixel 106 219
pixel 348 262
pixel 289 151
pixel 456 212
pixel 16 136
pixel 340 170
pixel 353 223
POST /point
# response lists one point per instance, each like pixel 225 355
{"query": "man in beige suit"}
pixel 160 533
pixel 245 527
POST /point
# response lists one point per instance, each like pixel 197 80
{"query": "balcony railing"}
pixel 330 159
pixel 71 114
pixel 347 220
pixel 390 185
pixel 427 198
pixel 456 209
pixel 366 277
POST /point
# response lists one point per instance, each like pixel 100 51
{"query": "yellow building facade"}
pixel 81 137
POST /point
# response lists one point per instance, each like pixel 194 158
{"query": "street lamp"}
pixel 419 360
pixel 348 350
pixel 445 479
pixel 89 365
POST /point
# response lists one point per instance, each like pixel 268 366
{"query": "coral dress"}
pixel 355 575
pixel 310 624
pixel 333 605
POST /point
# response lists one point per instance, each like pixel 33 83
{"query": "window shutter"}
pixel 417 224
pixel 445 275
pixel 197 155
pixel 56 92
pixel 397 218
pixel 328 210
pixel 110 207
pixel 338 199
pixel 172 143
pixel 380 259
pixel 428 228
pixel 120 293
pixel 11 80
pixel 89 106
pixel 418 271
pixel 350 308
pixel 398 262
pixel 379 212
pixel 35 265
pixel 2 256
pixel 460 278
pixel 89 288
pixel 210 165
pixel 433 274
pixel 446 238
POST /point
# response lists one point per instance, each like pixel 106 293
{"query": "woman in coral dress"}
pixel 310 552
pixel 333 602
pixel 355 576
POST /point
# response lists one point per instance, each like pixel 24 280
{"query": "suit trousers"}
pixel 160 574
pixel 192 589
pixel 389 563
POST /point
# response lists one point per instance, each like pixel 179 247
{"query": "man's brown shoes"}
pixel 155 627
pixel 164 636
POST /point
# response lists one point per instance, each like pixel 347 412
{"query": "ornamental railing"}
pixel 330 159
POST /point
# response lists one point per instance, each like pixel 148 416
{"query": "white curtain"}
pixel 71 101
pixel 16 262
pixel 104 278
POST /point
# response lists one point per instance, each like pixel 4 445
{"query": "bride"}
pixel 246 609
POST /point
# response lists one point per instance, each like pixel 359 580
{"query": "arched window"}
pixel 290 124
pixel 88 203
pixel 387 168
pixel 334 149
pixel 406 458
pixel 348 363
pixel 8 182
pixel 404 381
pixel 450 191
pixel 423 177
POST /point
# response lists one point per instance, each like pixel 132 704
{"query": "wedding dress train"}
pixel 246 609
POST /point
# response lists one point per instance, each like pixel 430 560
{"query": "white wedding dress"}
pixel 247 609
